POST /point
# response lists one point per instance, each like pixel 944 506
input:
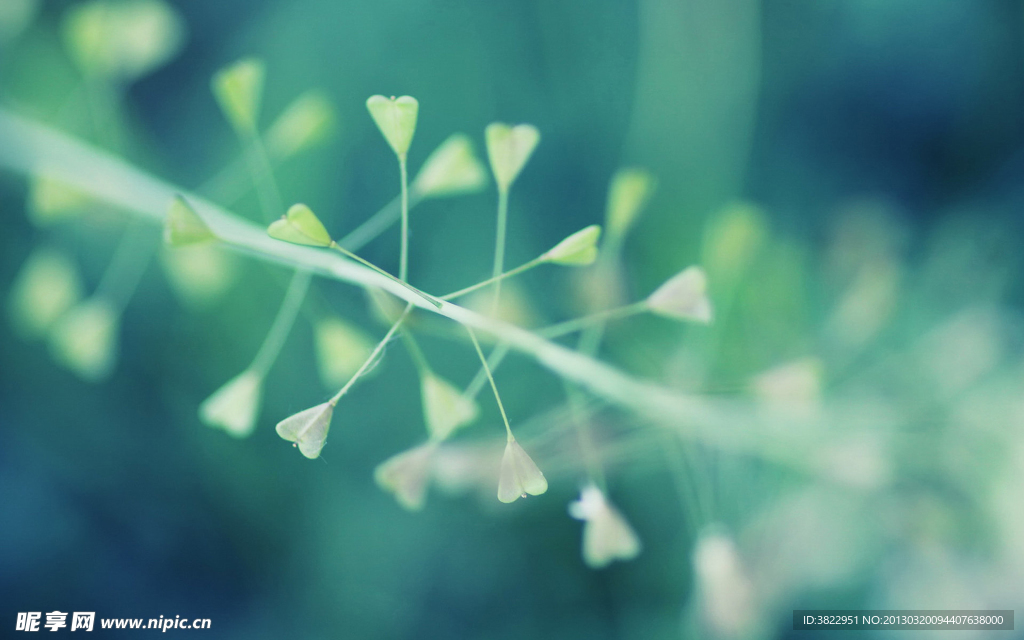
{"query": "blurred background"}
pixel 848 173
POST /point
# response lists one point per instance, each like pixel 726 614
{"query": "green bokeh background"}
pixel 116 499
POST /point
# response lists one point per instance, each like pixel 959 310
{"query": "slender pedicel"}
pixel 349 254
pixel 578 324
pixel 490 377
pixel 495 280
pixel 373 355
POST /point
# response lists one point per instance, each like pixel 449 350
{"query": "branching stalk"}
pixel 499 245
pixel 30 148
pixel 373 355
pixel 490 377
pixel 349 254
pixel 283 322
pixel 403 264
pixel 495 280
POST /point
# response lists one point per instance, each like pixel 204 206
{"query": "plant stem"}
pixel 521 268
pixel 591 460
pixel 493 361
pixel 416 353
pixel 576 324
pixel 373 355
pixel 29 148
pixel 283 322
pixel 263 176
pixel 499 245
pixel 377 223
pixel 349 254
pixel 127 266
pixel 403 264
pixel 494 387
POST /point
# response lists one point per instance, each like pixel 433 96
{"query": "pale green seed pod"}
pixel 122 41
pixel 407 475
pixel 508 149
pixel 84 340
pixel 239 92
pixel 199 274
pixel 307 122
pixel 733 238
pixel 451 169
pixel 51 201
pixel 45 288
pixel 183 226
pixel 396 119
pixel 607 535
pixel 683 297
pixel 577 250
pixel 445 408
pixel 308 429
pixel 340 349
pixel 792 388
pixel 629 191
pixel 235 406
pixel 519 475
pixel 300 226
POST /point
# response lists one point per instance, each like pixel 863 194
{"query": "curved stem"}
pixel 581 422
pixel 263 177
pixel 494 387
pixel 521 268
pixel 30 148
pixel 499 245
pixel 283 322
pixel 403 265
pixel 373 355
pixel 416 353
pixel 349 254
pixel 493 361
pixel 599 318
pixel 124 271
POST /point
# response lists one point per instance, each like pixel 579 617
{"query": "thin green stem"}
pixel 599 318
pixel 493 361
pixel 588 345
pixel 685 486
pixel 581 422
pixel 416 353
pixel 377 223
pixel 373 355
pixel 349 254
pixel 263 176
pixel 499 245
pixel 403 264
pixel 283 322
pixel 521 268
pixel 27 147
pixel 124 271
pixel 490 377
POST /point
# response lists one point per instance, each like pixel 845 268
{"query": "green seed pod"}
pixel 183 226
pixel 46 287
pixel 445 409
pixel 519 475
pixel 239 92
pixel 308 429
pixel 396 119
pixel 577 250
pixel 451 169
pixel 300 226
pixel 509 148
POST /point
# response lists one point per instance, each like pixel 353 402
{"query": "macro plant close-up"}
pixel 420 319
